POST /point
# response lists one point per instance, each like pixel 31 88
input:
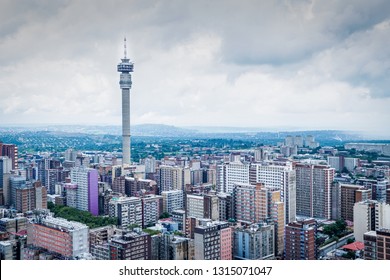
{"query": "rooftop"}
pixel 355 246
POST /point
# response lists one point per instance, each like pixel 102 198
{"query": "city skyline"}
pixel 305 65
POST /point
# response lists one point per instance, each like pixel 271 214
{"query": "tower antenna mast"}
pixel 125 48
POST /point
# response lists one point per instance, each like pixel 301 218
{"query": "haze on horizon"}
pixel 308 65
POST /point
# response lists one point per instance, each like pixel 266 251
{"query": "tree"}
pixel 133 226
pixel 350 255
pixel 345 170
pixel 336 229
pixel 164 215
pixel 73 214
pixel 350 240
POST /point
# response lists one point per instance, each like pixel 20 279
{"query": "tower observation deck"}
pixel 125 67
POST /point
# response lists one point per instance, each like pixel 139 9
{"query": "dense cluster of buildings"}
pixel 254 204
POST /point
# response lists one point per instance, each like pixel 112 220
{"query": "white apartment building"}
pixel 230 173
pixel 128 210
pixel 172 200
pixel 281 177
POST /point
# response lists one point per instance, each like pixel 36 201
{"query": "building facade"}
pixel 86 180
pixel 69 239
pixel 300 240
pixel 314 190
pixel 256 242
pixel 213 241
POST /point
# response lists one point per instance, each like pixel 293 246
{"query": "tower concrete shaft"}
pixel 125 67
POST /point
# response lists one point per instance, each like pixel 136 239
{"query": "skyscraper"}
pixel 349 195
pixel 213 241
pixel 255 242
pixel 230 173
pixel 128 210
pixel 300 240
pixel 86 180
pixel 10 151
pixel 314 185
pixel 250 203
pixel 171 178
pixel 281 176
pixel 5 168
pixel 125 67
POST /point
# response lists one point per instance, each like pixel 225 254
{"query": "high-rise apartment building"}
pixel 69 239
pixel 211 176
pixel 196 177
pixel 363 218
pixel 173 247
pixel 152 208
pixel 22 194
pixel 335 163
pixel 382 215
pixel 370 245
pixel 134 245
pixel 230 173
pixel 118 184
pixel 51 179
pixel 10 151
pixel 301 240
pixel 377 245
pixel 340 163
pixel 370 215
pixel 128 210
pixel 256 242
pixel 86 180
pixel 5 169
pixel 30 197
pixel 349 195
pixel 213 241
pixel 71 154
pixel 71 194
pixel 139 187
pixel 194 206
pixel 13 225
pixel 381 188
pixel 276 215
pixel 40 196
pixel 383 244
pixel 171 178
pixel 202 206
pixel 150 164
pixel 172 200
pixel 225 206
pixel 250 203
pixel 179 217
pixel 281 176
pixel 314 186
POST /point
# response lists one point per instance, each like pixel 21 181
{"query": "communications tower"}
pixel 125 67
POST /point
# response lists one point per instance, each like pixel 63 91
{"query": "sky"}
pixel 275 65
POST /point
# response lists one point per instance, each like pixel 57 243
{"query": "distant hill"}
pixel 162 130
pixel 136 130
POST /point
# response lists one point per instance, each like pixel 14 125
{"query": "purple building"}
pixel 87 189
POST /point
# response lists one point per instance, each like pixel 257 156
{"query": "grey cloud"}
pixel 197 62
pixel 362 59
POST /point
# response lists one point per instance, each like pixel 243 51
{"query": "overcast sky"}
pixel 268 64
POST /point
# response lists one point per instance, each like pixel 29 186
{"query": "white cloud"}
pixel 303 64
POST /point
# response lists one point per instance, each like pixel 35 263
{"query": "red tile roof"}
pixel 355 246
